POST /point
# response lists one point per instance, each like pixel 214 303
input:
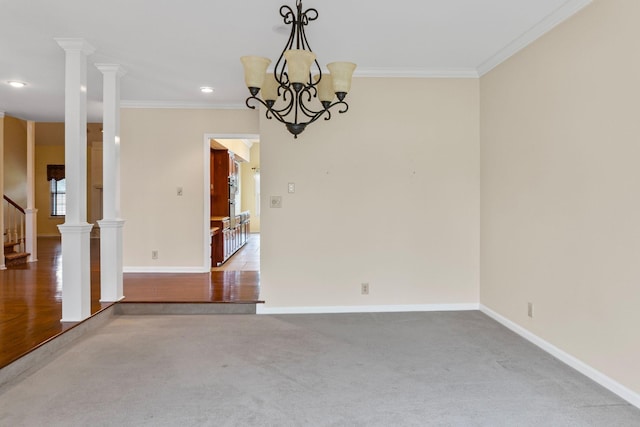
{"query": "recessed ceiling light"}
pixel 16 83
pixel 206 89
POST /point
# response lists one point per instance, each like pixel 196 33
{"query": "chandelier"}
pixel 291 93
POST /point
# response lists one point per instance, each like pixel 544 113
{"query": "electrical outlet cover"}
pixel 276 201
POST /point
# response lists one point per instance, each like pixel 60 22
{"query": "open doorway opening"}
pixel 234 202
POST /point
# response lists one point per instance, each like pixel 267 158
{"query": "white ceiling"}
pixel 171 48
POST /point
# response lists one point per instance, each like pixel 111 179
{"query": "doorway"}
pixel 235 246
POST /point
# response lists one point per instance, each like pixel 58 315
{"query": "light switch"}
pixel 179 191
pixel 292 187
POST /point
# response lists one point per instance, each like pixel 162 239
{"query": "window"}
pixel 58 197
pixel 57 190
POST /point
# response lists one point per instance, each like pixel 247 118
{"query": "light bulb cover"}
pixel 299 64
pixel 255 68
pixel 325 87
pixel 341 73
pixel 270 87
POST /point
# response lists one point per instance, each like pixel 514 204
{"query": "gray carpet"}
pixel 391 369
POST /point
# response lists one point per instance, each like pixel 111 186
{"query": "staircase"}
pixel 11 255
pixel 14 234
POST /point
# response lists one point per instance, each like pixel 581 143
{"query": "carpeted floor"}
pixel 387 369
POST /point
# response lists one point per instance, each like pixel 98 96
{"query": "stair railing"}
pixel 14 223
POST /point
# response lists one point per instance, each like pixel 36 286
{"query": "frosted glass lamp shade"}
pixel 341 73
pixel 325 87
pixel 299 64
pixel 270 88
pixel 255 68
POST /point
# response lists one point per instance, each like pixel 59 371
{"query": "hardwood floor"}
pixel 31 295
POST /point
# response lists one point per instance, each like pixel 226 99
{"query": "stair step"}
pixel 9 246
pixel 17 258
pixel 173 308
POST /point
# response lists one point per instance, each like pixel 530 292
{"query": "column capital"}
pixel 82 228
pixel 75 45
pixel 111 223
pixel 118 69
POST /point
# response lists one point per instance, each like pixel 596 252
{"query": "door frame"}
pixel 206 153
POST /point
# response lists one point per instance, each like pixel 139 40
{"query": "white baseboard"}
pixel 161 269
pixel 597 376
pixel 261 309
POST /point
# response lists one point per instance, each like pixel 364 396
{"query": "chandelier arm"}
pixel 306 110
pixel 287 13
pixel 319 114
pixel 253 107
pixel 306 46
pixel 286 91
pixel 310 14
pixel 345 107
pixel 264 104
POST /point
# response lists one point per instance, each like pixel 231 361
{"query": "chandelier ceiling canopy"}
pixel 291 92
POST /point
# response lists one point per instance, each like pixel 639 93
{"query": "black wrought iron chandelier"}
pixel 290 91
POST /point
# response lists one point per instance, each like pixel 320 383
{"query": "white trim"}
pixel 262 309
pixel 1 114
pixel 160 269
pixel 180 105
pixel 568 9
pixel 460 73
pixel 597 376
pixel 70 44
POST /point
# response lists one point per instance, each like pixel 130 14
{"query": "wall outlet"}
pixel 154 254
pixel 276 201
pixel 364 288
pixel 530 310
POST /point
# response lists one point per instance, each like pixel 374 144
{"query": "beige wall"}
pixel 162 149
pixel 560 199
pixel 49 140
pixel 386 194
pixel 388 197
pixel 46 155
pixel 15 160
pixel 248 184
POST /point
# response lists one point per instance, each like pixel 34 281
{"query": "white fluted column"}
pixel 76 261
pixel 111 225
pixel 31 213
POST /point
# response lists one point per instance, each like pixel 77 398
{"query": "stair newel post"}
pixel 21 234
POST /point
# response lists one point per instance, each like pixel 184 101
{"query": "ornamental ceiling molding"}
pixel 564 12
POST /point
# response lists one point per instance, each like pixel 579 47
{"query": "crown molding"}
pixel 179 105
pixel 568 9
pixel 452 73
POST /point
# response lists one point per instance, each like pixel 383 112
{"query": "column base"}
pixel 76 271
pixel 111 287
